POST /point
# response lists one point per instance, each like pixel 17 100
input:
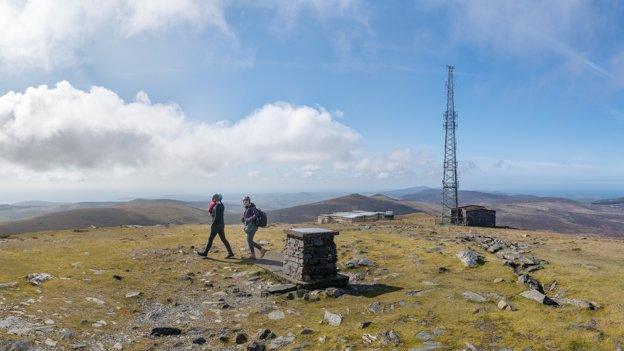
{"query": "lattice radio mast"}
pixel 450 203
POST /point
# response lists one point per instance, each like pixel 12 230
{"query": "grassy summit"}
pixel 419 285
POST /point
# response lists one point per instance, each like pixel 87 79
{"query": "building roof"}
pixel 353 214
pixel 474 208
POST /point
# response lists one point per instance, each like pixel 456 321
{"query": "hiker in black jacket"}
pixel 217 227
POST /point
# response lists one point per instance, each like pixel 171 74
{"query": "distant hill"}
pixel 617 201
pixel 532 212
pixel 30 209
pixel 309 212
pixel 399 193
pixel 139 212
pixel 101 217
pixel 471 197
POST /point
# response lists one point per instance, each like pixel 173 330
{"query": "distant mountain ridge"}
pixel 616 201
pixel 136 212
pixel 533 212
pixel 309 212
pixel 472 197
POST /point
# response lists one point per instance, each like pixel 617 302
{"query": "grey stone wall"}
pixel 310 257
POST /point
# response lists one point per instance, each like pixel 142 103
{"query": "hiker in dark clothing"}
pixel 217 227
pixel 251 227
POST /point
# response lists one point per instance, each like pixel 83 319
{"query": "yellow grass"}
pixel 589 269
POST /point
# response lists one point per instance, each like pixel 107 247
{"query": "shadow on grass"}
pixel 235 261
pixel 370 290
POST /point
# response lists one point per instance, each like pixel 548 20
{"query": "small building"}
pixel 477 216
pixel 354 217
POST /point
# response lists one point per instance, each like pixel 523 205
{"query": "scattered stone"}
pixel 376 307
pixel 224 337
pixel 199 341
pixel 94 300
pixel 240 338
pixel 365 324
pixel 99 324
pixel 539 297
pixel 495 248
pixel 316 295
pixel 78 346
pixel 427 346
pixel 264 334
pixel 66 334
pixel 473 296
pixel 7 285
pixel 117 346
pixel 20 345
pixel 280 289
pixel 552 286
pixel 470 258
pixel 276 315
pixel 306 331
pixel 504 305
pixel 15 325
pixel 255 346
pixel 530 282
pixel 423 336
pixel 333 319
pixel 165 331
pixel 498 280
pixel 48 322
pixel 38 278
pixel 132 294
pixel 577 303
pixel 281 342
pixel 334 292
pixel 389 337
pixel 359 262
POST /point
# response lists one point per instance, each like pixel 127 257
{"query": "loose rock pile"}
pixel 516 256
pixel 310 255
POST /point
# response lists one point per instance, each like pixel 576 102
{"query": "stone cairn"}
pixel 310 254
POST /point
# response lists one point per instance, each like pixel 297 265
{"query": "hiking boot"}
pixel 252 257
pixel 230 255
pixel 263 252
pixel 203 253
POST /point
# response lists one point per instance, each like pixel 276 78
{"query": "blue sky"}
pixel 317 95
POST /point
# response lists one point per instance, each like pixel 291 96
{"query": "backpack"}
pixel 262 219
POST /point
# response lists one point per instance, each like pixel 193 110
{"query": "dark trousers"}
pixel 220 230
pixel 251 230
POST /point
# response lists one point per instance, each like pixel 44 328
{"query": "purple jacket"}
pixel 251 213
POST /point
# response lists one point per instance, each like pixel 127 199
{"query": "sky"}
pixel 103 100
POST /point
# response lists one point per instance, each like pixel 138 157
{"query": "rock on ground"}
pixel 280 342
pixel 473 296
pixel 276 315
pixel 333 319
pixel 165 331
pixel 539 297
pixel 469 258
pixel 38 278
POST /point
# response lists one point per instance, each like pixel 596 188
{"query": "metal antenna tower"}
pixel 450 203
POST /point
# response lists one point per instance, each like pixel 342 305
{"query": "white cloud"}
pixel 66 132
pixel 46 34
pixel 139 16
pixel 566 28
pixel 396 163
pixel 49 33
